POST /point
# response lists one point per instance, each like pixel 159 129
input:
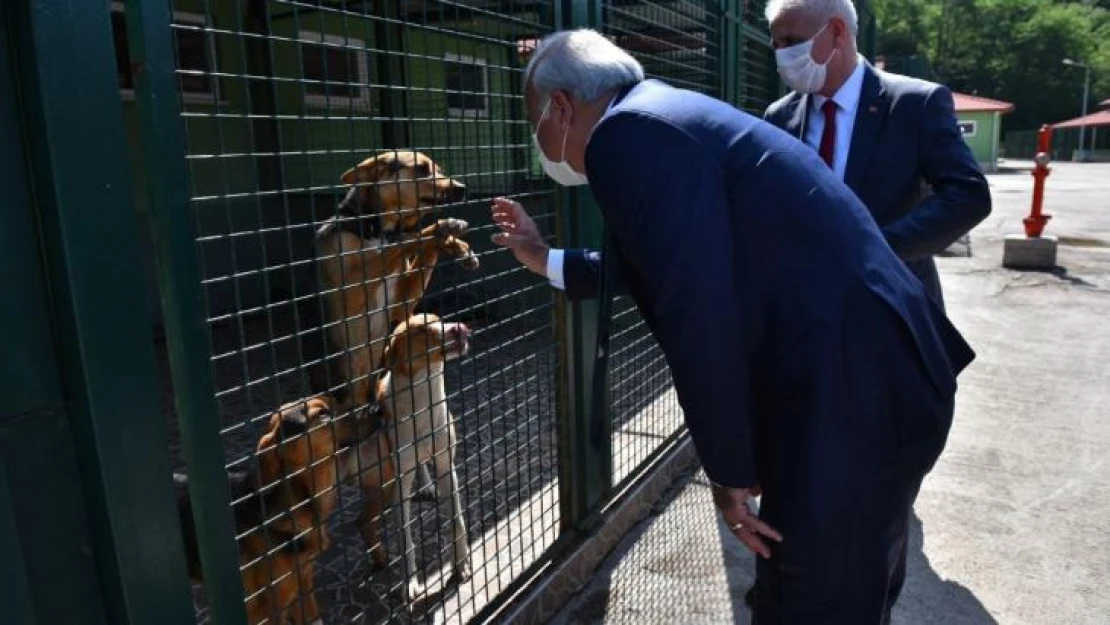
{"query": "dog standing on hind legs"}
pixel 281 509
pixel 374 264
pixel 417 428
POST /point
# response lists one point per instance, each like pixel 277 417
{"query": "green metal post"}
pixel 729 36
pixel 87 223
pixel 585 453
pixel 179 281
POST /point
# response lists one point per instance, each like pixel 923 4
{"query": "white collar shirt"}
pixel 847 102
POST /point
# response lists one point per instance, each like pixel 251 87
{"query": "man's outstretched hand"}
pixel 520 234
pixel 744 524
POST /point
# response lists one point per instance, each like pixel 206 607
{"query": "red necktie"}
pixel 828 136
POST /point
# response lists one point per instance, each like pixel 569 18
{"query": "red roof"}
pixel 972 103
pixel 1101 118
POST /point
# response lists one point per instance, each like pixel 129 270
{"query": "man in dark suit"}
pixel 809 362
pixel 888 137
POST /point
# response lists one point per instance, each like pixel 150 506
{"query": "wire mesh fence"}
pixel 387 382
pixel 335 152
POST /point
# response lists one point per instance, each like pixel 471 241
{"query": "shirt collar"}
pixel 847 97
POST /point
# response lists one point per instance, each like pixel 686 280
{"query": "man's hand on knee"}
pixel 520 234
pixel 741 521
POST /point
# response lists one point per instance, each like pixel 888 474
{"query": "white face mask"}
pixel 798 69
pixel 561 172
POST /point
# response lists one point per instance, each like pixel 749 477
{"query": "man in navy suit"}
pixel 810 363
pixel 892 139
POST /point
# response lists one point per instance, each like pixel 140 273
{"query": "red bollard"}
pixel 1035 222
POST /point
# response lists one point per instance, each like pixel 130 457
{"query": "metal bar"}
pixel 585 461
pixel 390 70
pixel 103 332
pixel 44 540
pixel 151 47
pixel 263 96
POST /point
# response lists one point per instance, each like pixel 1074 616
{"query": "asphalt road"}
pixel 1013 524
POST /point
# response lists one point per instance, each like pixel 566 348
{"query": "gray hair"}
pixel 820 11
pixel 582 62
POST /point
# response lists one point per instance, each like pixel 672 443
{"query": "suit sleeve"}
pixel 961 197
pixel 582 275
pixel 663 197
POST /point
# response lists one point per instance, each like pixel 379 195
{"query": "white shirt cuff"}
pixel 555 268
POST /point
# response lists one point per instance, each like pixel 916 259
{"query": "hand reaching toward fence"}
pixel 520 234
pixel 744 524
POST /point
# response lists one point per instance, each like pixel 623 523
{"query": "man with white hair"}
pixel 884 135
pixel 810 364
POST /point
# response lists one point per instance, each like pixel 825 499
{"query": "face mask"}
pixel 560 171
pixel 798 69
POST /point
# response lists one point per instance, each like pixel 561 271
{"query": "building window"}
pixel 196 54
pixel 466 80
pixel 967 128
pixel 336 71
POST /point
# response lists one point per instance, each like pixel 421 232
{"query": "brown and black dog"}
pixel 280 509
pixel 417 428
pixel 374 262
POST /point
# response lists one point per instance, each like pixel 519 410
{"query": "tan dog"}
pixel 281 508
pixel 374 264
pixel 417 428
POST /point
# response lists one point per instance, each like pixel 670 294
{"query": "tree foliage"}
pixel 1010 50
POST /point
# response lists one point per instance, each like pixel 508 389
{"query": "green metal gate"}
pixel 225 132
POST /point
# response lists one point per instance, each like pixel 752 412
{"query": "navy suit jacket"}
pixel 908 163
pixel 798 342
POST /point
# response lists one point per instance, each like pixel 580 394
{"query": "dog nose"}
pixel 460 330
pixel 457 191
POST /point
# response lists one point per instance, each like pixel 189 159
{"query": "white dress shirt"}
pixel 847 102
pixel 555 268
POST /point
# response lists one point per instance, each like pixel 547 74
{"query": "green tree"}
pixel 1006 49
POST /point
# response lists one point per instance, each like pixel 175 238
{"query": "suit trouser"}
pixel 848 571
pixel 841 485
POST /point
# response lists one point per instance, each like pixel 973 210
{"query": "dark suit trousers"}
pixel 842 494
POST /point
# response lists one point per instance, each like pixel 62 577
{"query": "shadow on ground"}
pixel 669 570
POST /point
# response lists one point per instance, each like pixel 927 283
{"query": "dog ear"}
pixel 269 460
pixel 350 176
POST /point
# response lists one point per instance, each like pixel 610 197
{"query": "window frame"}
pixel 212 96
pixel 483 66
pixel 362 66
pixel 974 123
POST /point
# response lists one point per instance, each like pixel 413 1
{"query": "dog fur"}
pixel 280 509
pixel 417 428
pixel 374 263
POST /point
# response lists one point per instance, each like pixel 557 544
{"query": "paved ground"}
pixel 1013 525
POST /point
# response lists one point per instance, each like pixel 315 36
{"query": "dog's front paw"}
pixel 462 570
pixel 469 262
pixel 451 227
pixel 414 590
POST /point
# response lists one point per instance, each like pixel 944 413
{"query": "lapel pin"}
pixel 873 109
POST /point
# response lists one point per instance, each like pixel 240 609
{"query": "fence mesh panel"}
pixel 283 103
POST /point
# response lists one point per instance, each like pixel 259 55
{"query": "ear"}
pixel 350 176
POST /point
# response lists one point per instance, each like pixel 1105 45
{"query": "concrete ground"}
pixel 1013 525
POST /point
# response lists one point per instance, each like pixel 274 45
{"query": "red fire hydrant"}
pixel 1035 222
